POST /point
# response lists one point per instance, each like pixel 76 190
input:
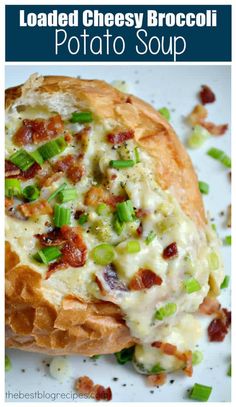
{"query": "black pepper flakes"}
pixel 115 379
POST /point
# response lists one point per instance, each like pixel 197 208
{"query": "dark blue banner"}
pixel 118 33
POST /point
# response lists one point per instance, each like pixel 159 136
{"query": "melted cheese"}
pixel 165 218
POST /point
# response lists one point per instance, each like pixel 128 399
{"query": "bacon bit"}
pixel 113 200
pixel 139 229
pixel 84 385
pixel 157 379
pixel 198 115
pixel 82 136
pixel 74 250
pixel 141 213
pixel 78 213
pixel 217 330
pixel 38 130
pixel 75 172
pixel 166 348
pixel 170 251
pixel 100 286
pixel 226 316
pixel 96 195
pixel 143 279
pixel 206 95
pixel 229 216
pixel 52 238
pixel 119 138
pixel 34 209
pixel 12 171
pixel 209 306
pixel 64 163
pixel 9 202
pixel 188 370
pixel 111 278
pixel 215 129
pixel 47 180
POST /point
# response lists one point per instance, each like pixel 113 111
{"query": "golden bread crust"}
pixel 90 328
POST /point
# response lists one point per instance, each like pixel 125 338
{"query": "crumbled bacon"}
pixel 172 350
pixel 85 386
pixel 74 250
pixel 38 130
pixel 165 347
pixel 198 117
pixel 97 194
pixel 139 229
pixel 141 213
pixel 52 238
pixel 217 330
pixel 206 95
pixel 75 172
pixel 34 209
pixel 143 279
pixel 188 370
pixel 119 138
pixel 72 166
pixel 82 136
pixel 215 129
pixel 8 202
pixel 170 251
pixel 111 278
pixel 64 163
pixel 210 305
pixel 12 171
pixel 157 379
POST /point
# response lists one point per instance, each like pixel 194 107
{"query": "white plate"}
pixel 175 87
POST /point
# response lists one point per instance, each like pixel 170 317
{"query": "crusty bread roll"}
pixel 95 308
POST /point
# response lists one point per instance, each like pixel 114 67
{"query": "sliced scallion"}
pixel 225 282
pixel 164 111
pixel 133 246
pixel 125 355
pixel 47 254
pixel 83 219
pixel 8 364
pixel 197 357
pixel 213 261
pixel 22 159
pixel 81 117
pixel 118 226
pixel 67 195
pixel 136 155
pixel 31 192
pixel 191 285
pixel 59 189
pixel 227 240
pixel 61 216
pixel 229 371
pixel 119 164
pixel 203 187
pixel 156 369
pixel 37 157
pixel 103 254
pixel 166 311
pixel 200 392
pixel 219 155
pixel 52 148
pixel 125 211
pixel 12 187
pixel 102 209
pixel 198 137
pixel 150 237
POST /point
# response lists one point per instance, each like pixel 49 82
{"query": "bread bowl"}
pixel 90 308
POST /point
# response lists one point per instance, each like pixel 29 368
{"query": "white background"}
pixel 175 87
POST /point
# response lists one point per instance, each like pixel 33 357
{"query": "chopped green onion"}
pixel 52 148
pixel 31 192
pixel 229 371
pixel 213 225
pixel 198 137
pixel 37 157
pixel 69 194
pixel 125 355
pixel 164 111
pixel 213 261
pixel 125 211
pixel 81 117
pixel 12 187
pixel 227 240
pixel 118 226
pixel 191 285
pixel 83 219
pixel 121 163
pixel 150 237
pixel 156 369
pixel 95 357
pixel 8 364
pixel 102 209
pixel 220 156
pixel 166 311
pixel 197 357
pixel 22 159
pixel 225 282
pixel 136 155
pixel 47 254
pixel 133 246
pixel 203 187
pixel 61 216
pixel 103 254
pixel 200 392
pixel 59 189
